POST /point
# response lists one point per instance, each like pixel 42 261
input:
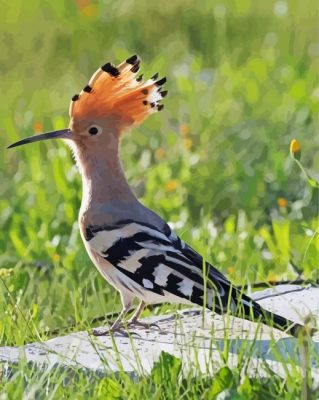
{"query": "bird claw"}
pixel 121 328
pixel 106 332
pixel 144 325
pixel 117 327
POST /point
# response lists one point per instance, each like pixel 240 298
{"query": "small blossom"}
pixel 295 149
pixel 282 202
pixel 38 127
pixel 187 144
pixel 86 8
pixel 231 270
pixel 185 129
pixel 56 258
pixel 160 153
pixel 171 185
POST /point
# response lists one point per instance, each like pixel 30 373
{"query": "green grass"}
pixel 168 379
pixel 242 81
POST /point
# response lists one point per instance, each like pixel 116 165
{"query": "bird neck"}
pixel 103 178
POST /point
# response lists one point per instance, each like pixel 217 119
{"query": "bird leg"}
pixel 118 324
pixel 137 313
pixel 134 319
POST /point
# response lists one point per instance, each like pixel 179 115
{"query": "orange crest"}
pixel 117 93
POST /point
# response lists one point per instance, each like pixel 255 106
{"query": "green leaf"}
pixel 109 389
pixel 246 388
pixel 166 369
pixel 223 380
pixel 281 232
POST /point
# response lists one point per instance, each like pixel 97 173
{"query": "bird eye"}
pixel 94 130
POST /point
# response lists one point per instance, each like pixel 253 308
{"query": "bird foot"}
pixel 121 328
pixel 145 325
pixel 106 332
pixel 117 327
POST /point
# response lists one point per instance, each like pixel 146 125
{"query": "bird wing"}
pixel 159 261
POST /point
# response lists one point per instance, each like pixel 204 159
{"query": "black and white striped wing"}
pixel 158 261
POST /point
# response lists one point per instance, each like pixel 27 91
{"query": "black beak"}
pixel 62 134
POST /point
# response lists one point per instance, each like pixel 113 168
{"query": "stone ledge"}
pixel 188 335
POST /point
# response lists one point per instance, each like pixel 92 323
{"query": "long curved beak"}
pixel 61 134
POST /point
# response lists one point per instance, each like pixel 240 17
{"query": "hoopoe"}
pixel 131 246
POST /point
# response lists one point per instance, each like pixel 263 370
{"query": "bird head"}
pixel 113 100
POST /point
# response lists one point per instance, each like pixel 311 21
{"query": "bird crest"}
pixel 118 93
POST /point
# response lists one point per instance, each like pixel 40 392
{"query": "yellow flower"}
pixel 282 202
pixel 295 149
pixel 188 143
pixel 231 270
pixel 56 257
pixel 171 185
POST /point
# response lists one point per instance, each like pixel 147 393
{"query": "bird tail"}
pixel 251 310
pixel 117 93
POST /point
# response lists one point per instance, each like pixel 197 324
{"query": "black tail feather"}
pixel 281 323
pixel 242 306
pixel 255 313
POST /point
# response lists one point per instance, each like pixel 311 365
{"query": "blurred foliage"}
pixel 242 81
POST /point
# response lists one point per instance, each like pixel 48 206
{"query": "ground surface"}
pixel 198 340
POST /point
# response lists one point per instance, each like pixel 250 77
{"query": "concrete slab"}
pixel 198 338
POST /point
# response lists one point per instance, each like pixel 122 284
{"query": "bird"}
pixel 132 247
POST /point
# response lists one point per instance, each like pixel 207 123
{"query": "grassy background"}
pixel 242 80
